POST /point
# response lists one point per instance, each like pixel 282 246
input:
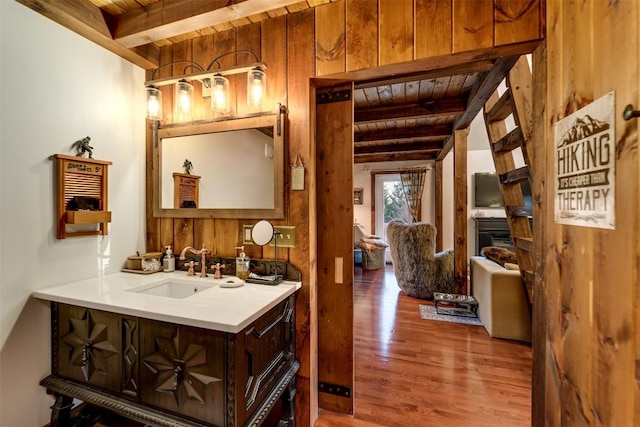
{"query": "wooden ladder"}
pixel 515 101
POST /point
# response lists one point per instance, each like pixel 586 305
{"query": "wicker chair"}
pixel 419 270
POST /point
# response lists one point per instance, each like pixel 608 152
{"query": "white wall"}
pixel 57 87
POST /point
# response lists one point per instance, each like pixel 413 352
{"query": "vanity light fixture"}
pixel 154 103
pixel 183 101
pixel 220 94
pixel 256 84
pixel 215 84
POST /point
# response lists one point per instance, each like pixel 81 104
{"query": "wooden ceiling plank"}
pixel 297 7
pixel 462 69
pixel 393 157
pixel 164 20
pixel 400 147
pixel 419 110
pixel 412 91
pixel 417 132
pixel 88 21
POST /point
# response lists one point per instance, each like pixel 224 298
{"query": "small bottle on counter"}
pixel 169 262
pixel 242 264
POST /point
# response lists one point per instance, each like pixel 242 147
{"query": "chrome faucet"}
pixel 203 262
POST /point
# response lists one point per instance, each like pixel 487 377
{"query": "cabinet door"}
pixel 182 370
pixel 269 350
pixel 89 348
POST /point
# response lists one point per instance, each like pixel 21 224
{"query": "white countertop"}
pixel 217 308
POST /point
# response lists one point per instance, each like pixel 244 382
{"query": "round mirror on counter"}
pixel 262 232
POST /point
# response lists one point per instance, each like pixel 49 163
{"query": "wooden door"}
pixel 586 319
pixel 334 183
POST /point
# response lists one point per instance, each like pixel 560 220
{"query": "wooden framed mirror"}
pixel 238 165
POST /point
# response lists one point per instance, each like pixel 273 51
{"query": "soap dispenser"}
pixel 169 262
pixel 242 264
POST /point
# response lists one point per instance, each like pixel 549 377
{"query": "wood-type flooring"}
pixel 414 372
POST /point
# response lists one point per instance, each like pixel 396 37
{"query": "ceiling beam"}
pixel 87 20
pixel 444 107
pixel 483 89
pixel 394 157
pixel 465 68
pixel 480 93
pixel 411 145
pixel 401 133
pixel 165 19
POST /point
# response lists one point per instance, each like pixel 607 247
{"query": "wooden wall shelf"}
pixel 81 177
pixel 87 217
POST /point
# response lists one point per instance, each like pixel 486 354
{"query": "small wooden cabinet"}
pixel 79 178
pixel 165 374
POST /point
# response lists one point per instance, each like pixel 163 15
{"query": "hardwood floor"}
pixel 414 372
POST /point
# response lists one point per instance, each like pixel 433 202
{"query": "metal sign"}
pixel 584 166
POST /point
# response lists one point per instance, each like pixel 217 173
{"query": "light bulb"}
pixel 220 95
pixel 154 103
pixel 183 101
pixel 256 88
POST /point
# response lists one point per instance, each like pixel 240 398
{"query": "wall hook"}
pixel 629 113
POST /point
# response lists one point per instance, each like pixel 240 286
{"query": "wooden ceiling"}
pixel 400 117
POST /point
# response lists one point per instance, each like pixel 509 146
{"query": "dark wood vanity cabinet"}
pixel 167 374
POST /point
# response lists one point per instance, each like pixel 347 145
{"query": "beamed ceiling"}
pixel 399 117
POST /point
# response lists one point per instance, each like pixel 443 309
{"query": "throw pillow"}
pixel 499 255
pixel 377 242
pixel 509 266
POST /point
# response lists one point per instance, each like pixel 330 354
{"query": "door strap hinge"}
pixel 338 390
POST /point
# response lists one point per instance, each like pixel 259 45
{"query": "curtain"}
pixel 413 185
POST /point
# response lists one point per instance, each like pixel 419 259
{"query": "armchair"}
pixel 419 270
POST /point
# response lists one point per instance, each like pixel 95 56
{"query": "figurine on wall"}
pixel 82 146
pixel 187 165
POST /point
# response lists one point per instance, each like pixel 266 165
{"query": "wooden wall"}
pixel 350 40
pixel 587 372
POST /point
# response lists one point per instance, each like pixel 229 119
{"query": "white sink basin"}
pixel 172 288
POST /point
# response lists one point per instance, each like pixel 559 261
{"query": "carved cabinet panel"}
pixel 182 370
pixel 89 347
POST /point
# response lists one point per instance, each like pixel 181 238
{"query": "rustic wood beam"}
pixel 441 131
pixel 460 205
pixel 483 89
pixel 466 68
pixel 438 205
pixel 480 93
pixel 450 106
pixel 87 20
pixel 446 147
pixel 394 157
pixel 165 19
pixel 414 145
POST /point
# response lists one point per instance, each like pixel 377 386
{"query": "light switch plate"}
pixel 286 238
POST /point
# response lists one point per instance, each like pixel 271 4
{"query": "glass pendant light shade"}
pixel 154 103
pixel 256 89
pixel 220 94
pixel 183 101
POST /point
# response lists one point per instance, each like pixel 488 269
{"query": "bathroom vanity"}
pixel 170 350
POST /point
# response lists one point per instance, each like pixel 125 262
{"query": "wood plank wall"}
pixel 588 369
pixel 331 40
